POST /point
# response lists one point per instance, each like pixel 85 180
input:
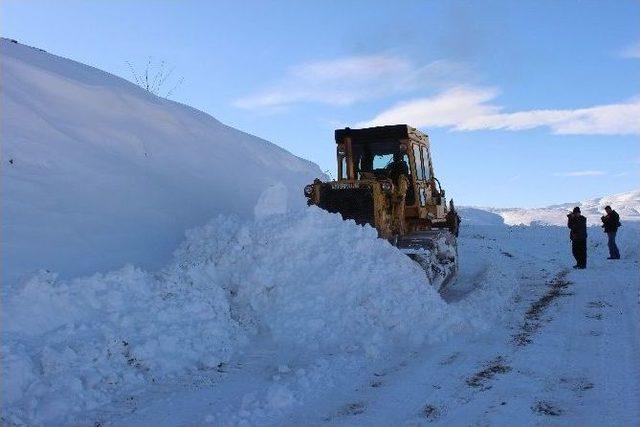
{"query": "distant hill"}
pixel 626 204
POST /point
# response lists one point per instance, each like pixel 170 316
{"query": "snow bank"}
pixel 307 280
pixel 72 346
pixel 312 279
pixel 487 280
pixel 476 216
pixel 97 172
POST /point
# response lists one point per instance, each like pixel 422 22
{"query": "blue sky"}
pixel 527 103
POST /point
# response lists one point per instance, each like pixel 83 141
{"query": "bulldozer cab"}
pixel 373 159
pixel 386 153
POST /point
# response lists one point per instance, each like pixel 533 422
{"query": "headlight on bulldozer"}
pixel 386 186
pixel 308 190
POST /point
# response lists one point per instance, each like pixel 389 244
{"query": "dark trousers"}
pixel 613 248
pixel 579 249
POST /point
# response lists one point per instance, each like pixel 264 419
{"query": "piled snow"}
pixel 487 273
pixel 97 172
pixel 272 201
pixel 315 280
pixel 306 280
pixel 72 346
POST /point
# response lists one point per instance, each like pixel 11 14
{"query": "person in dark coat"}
pixel 397 167
pixel 578 235
pixel 610 223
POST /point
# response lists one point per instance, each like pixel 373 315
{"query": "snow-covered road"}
pixel 566 354
pixel 552 346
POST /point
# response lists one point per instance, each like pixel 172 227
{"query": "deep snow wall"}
pixel 97 172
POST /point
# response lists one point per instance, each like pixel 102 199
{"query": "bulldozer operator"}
pixel 397 167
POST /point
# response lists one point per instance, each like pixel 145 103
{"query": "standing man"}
pixel 578 226
pixel 610 223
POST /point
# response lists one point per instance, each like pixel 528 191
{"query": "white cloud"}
pixel 631 51
pixel 349 80
pixel 581 173
pixel 468 108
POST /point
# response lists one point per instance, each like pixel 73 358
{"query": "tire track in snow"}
pixel 533 317
pixel 499 365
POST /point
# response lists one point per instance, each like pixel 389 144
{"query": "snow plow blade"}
pixel 436 251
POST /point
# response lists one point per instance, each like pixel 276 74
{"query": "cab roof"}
pixel 389 132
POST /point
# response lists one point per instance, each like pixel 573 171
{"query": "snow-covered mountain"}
pixel 626 204
pixel 97 172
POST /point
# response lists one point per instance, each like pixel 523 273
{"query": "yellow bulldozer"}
pixel 386 180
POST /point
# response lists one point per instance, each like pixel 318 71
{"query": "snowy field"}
pixel 323 323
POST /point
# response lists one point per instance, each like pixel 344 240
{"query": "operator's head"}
pixel 607 209
pixel 576 210
pixel 397 156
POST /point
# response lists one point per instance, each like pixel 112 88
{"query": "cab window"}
pixel 417 155
pixel 342 168
pixel 381 161
pixel 377 159
pixel 427 163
